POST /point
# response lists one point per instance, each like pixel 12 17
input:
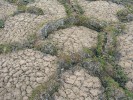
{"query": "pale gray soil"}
pixel 22 71
pixel 101 10
pixel 69 40
pixel 19 27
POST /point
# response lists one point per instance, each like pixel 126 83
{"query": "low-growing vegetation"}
pixel 5 48
pixel 67 61
pixel 123 2
pixel 102 58
pixel 72 8
pixel 46 90
pixel 46 47
pixel 2 23
pixel 91 23
pixel 34 10
pixel 31 10
pixel 20 2
pixel 21 8
pixel 125 15
pixel 12 1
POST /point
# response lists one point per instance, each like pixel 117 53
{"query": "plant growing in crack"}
pixel 46 91
pixel 2 23
pixel 46 47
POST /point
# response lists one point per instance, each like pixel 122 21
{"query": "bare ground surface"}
pixel 19 27
pixel 6 9
pixel 101 10
pixel 79 85
pixel 69 40
pixel 22 71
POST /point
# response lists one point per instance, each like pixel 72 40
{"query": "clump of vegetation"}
pixel 111 74
pixel 32 39
pixel 32 10
pixel 72 9
pixel 91 23
pixel 119 76
pixel 67 61
pixel 11 1
pixel 105 54
pixel 46 47
pixel 112 31
pixel 5 48
pixel 68 9
pixel 67 6
pixel 21 5
pixel 112 89
pixel 115 28
pixel 125 15
pixel 45 90
pixel 129 94
pixel 24 2
pixel 2 23
pixel 78 9
pixel 123 2
pixel 35 10
pixel 21 8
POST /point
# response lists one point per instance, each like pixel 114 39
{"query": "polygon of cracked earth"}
pixel 72 40
pixel 6 9
pixel 101 10
pixel 50 7
pixel 79 85
pixel 19 27
pixel 23 71
pixel 126 53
